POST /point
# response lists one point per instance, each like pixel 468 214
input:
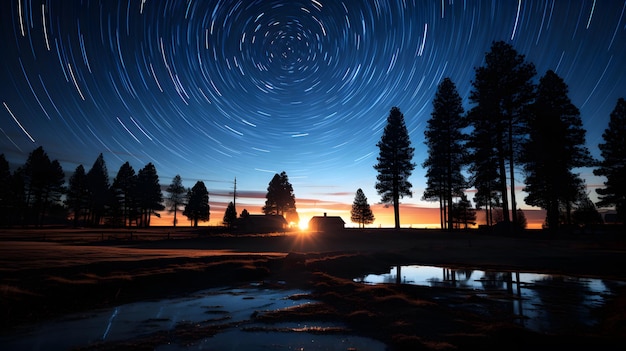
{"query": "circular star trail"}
pixel 213 90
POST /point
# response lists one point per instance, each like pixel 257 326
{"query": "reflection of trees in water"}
pixel 493 280
pixel 564 301
pixel 461 277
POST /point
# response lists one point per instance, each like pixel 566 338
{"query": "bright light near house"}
pixel 303 224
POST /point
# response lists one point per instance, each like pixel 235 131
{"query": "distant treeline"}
pixel 36 194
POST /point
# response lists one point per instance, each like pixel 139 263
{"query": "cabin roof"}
pixel 327 219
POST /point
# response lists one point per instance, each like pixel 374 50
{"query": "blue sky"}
pixel 213 90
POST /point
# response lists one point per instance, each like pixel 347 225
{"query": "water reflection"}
pixel 224 307
pixel 544 303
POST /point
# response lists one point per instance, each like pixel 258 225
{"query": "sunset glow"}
pixel 215 91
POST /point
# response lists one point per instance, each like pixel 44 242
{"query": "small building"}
pixel 326 223
pixel 260 223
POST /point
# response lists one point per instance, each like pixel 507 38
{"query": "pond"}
pixel 230 309
pixel 540 302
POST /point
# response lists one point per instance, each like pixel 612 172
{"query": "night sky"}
pixel 214 90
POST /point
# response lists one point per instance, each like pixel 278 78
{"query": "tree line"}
pixel 36 194
pixel 516 125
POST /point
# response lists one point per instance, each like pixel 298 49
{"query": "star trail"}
pixel 214 90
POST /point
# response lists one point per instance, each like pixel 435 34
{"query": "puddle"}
pixel 540 302
pixel 215 306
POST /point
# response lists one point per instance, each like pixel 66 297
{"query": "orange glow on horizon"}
pixel 411 216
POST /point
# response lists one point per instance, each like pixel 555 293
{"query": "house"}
pixel 326 223
pixel 260 223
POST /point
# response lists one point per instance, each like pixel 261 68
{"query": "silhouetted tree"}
pixel 44 180
pixel 54 191
pixel 586 214
pixel 502 91
pixel 483 169
pixel 176 197
pixel 6 205
pixel 462 213
pixel 197 208
pixel 230 215
pixel 522 223
pixel 99 196
pixel 446 150
pixel 148 193
pixel 361 212
pixel 17 197
pixel 123 191
pixel 77 197
pixel 394 163
pixel 280 197
pixel 244 214
pixel 555 146
pixel 613 163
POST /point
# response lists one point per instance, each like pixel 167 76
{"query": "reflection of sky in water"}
pixel 542 302
pixel 262 341
pixel 206 307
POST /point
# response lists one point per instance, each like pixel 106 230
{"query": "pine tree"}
pixel 446 150
pixel 176 197
pixel 556 145
pixel 44 180
pixel 98 185
pixel 280 199
pixel 586 214
pixel 502 91
pixel 148 193
pixel 613 163
pixel 394 163
pixel 230 215
pixel 17 197
pixel 197 208
pixel 123 191
pixel 462 213
pixel 361 212
pixel 6 207
pixel 78 194
pixel 522 222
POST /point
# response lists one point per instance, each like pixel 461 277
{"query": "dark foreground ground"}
pixel 72 271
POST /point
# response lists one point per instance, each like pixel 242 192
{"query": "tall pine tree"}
pixel 394 163
pixel 613 163
pixel 556 145
pixel 446 150
pixel 124 199
pixel 43 180
pixel 502 91
pixel 149 194
pixel 176 197
pixel 78 194
pixel 98 187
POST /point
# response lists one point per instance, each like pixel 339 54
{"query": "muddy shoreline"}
pixel 41 280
